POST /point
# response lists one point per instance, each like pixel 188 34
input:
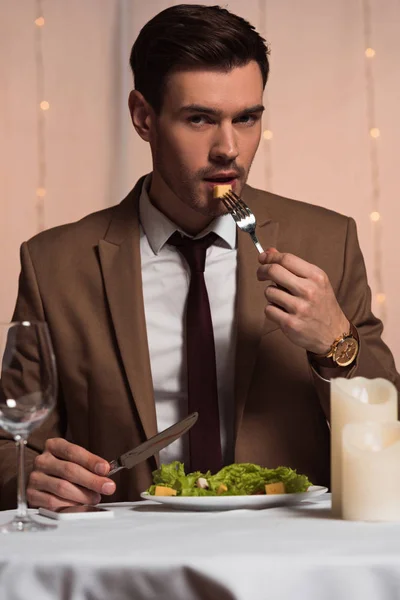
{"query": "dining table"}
pixel 150 551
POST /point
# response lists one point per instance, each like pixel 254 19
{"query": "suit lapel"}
pixel 250 301
pixel 119 254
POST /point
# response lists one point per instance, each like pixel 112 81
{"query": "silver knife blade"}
pixel 152 445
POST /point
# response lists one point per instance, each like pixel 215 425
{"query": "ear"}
pixel 141 114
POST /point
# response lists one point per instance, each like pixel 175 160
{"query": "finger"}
pixel 76 454
pixel 38 499
pixel 74 473
pixel 263 257
pixel 292 263
pixel 62 489
pixel 282 298
pixel 277 315
pixel 282 277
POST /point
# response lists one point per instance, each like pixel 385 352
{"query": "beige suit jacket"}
pixel 84 279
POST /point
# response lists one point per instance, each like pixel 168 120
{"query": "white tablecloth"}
pixel 150 552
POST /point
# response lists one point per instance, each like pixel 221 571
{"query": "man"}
pixel 113 288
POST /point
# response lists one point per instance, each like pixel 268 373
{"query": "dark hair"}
pixel 190 36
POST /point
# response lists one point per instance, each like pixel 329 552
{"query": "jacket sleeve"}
pixel 354 296
pixel 28 308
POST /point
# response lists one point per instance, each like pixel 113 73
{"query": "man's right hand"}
pixel 67 475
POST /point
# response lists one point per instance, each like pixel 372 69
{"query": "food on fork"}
pixel 240 479
pixel 220 190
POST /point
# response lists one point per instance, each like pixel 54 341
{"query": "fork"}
pixel 243 216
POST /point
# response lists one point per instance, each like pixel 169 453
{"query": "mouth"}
pixel 229 179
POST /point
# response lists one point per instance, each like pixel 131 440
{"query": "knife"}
pixel 152 445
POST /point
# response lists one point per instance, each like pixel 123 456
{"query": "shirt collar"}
pixel 158 228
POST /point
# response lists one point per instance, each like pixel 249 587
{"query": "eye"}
pixel 198 120
pixel 247 119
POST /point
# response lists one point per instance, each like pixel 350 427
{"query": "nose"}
pixel 224 147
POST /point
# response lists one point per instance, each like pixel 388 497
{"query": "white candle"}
pixel 356 400
pixel 371 472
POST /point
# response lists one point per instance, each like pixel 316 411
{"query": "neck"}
pixel 185 217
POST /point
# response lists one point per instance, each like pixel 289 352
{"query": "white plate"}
pixel 235 502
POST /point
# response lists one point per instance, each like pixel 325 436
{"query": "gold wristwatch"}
pixel 343 351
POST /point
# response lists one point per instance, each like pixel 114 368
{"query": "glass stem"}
pixel 22 511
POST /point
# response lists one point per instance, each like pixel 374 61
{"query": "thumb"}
pixel 263 258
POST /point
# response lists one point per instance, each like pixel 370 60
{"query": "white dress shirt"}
pixel 166 278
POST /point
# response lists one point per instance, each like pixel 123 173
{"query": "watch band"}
pixel 327 360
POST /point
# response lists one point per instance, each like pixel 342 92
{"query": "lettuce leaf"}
pixel 173 475
pixel 239 478
pixel 168 474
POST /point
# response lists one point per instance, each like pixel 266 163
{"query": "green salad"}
pixel 234 480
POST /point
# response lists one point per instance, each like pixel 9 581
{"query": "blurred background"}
pixel 330 133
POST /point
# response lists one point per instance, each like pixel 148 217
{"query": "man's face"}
pixel 207 133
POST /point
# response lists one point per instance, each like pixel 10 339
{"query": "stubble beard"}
pixel 184 187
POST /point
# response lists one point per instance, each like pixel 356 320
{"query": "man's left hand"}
pixel 302 301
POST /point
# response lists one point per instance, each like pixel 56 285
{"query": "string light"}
pixel 43 106
pixel 375 215
pixel 267 134
pixel 374 132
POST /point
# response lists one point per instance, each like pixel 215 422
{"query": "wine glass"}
pixel 28 390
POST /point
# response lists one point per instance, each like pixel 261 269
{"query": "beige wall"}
pixel 317 110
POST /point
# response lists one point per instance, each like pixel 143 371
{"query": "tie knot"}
pixel 194 251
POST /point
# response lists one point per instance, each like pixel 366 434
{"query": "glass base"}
pixel 25 524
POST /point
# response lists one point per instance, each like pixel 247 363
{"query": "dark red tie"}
pixel 204 436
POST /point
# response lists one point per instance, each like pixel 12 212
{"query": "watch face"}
pixel 346 351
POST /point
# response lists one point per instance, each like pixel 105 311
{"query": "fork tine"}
pixel 240 202
pixel 238 199
pixel 243 216
pixel 231 208
pixel 230 203
pixel 238 206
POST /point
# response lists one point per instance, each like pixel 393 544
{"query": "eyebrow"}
pixel 198 108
